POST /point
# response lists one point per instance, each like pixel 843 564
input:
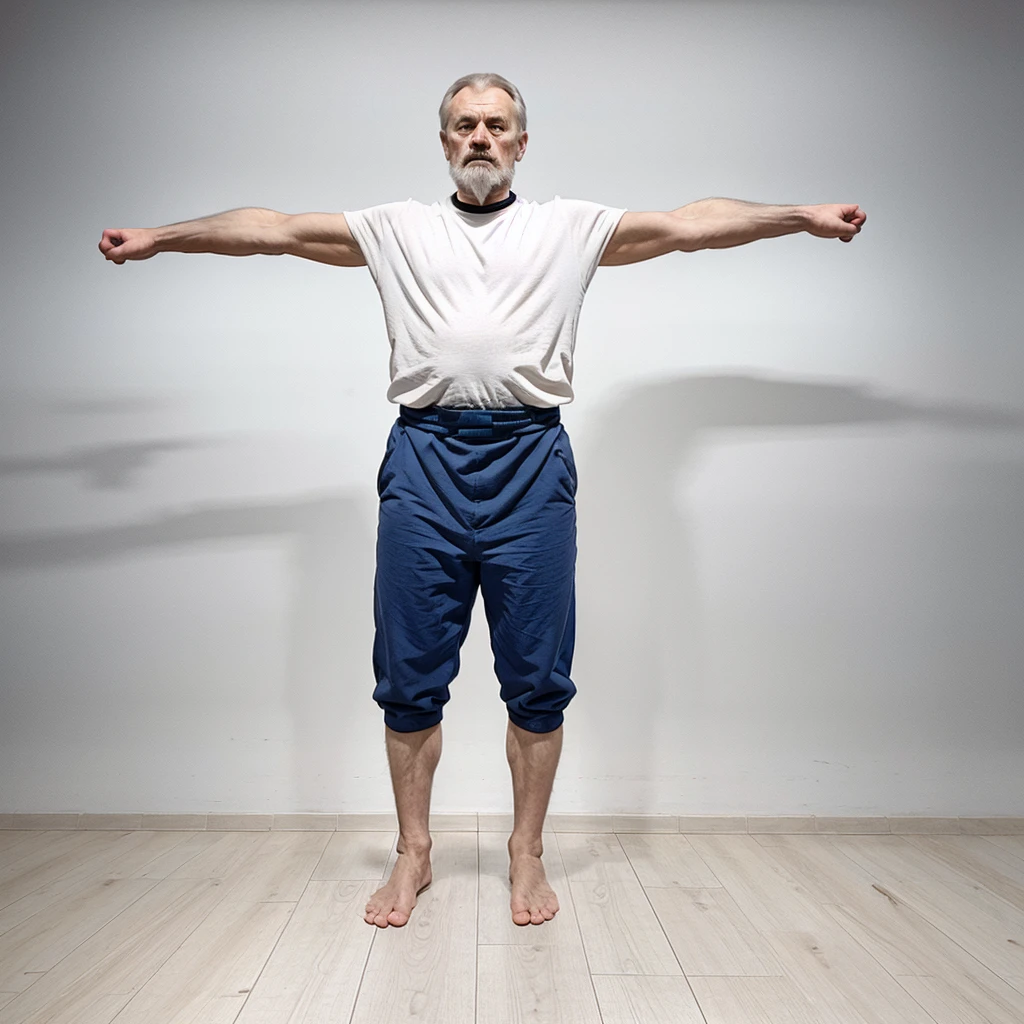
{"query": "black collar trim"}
pixel 489 208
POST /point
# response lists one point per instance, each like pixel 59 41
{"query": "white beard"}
pixel 480 179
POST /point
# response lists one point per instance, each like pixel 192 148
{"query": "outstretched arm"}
pixel 722 224
pixel 324 237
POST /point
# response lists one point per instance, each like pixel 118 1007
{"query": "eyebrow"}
pixel 470 117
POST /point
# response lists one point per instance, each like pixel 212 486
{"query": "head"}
pixel 483 135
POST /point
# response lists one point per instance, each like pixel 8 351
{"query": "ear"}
pixel 523 139
pixel 444 145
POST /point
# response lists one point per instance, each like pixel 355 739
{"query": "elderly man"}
pixel 481 295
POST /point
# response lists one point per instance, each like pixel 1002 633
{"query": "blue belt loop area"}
pixel 481 423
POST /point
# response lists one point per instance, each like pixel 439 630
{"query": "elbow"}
pixel 689 231
pixel 690 239
pixel 276 236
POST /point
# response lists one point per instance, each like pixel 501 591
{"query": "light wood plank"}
pixel 261 927
pixel 209 976
pixel 59 926
pixel 979 861
pixel 1013 845
pixel 890 929
pixel 221 858
pixel 281 869
pixel 667 861
pixel 831 971
pixel 594 857
pixel 9 843
pixel 95 981
pixel 639 999
pixel 620 929
pixel 598 871
pixel 535 983
pixel 16 913
pixel 217 966
pixel 356 856
pixel 170 860
pixel 425 970
pixel 962 997
pixel 986 925
pixel 767 1000
pixel 51 857
pixel 117 860
pixel 315 970
pixel 710 934
pixel 902 941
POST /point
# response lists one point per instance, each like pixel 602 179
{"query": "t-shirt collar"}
pixel 489 208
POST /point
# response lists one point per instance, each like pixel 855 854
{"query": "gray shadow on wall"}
pixel 638 604
pixel 102 466
pixel 631 534
pixel 329 667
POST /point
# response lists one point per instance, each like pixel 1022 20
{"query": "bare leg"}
pixel 412 756
pixel 533 758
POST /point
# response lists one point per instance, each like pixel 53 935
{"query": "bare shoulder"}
pixel 642 235
pixel 323 237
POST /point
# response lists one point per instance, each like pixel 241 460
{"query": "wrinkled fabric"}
pixel 482 309
pixel 469 499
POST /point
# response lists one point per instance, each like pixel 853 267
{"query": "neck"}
pixel 492 197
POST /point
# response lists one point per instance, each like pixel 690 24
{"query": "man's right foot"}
pixel 393 904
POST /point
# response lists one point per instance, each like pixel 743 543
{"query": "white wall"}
pixel 801 568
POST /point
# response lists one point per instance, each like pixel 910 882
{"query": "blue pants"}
pixel 475 498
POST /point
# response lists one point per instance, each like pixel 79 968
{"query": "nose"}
pixel 480 139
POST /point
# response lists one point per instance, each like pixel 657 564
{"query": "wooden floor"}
pixel 169 927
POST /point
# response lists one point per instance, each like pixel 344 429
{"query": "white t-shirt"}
pixel 481 308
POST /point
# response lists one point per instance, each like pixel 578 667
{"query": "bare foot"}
pixel 394 902
pixel 533 900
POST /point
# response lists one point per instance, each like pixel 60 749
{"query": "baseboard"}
pixel 502 822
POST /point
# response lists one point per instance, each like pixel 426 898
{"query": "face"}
pixel 482 142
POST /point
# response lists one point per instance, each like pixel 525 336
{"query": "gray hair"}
pixel 483 80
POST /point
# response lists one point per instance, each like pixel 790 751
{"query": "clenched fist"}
pixel 120 244
pixel 835 220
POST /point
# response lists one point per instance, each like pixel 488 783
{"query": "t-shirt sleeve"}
pixel 592 226
pixel 370 227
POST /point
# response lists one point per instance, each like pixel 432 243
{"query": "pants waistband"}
pixel 484 423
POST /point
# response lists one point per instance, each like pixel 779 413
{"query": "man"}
pixel 481 296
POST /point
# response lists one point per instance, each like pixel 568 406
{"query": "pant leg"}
pixel 527 575
pixel 424 589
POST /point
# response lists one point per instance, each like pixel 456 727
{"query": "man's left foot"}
pixel 533 900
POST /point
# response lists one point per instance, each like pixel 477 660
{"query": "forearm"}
pixel 242 232
pixel 724 223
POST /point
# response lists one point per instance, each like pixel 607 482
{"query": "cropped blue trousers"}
pixel 475 499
